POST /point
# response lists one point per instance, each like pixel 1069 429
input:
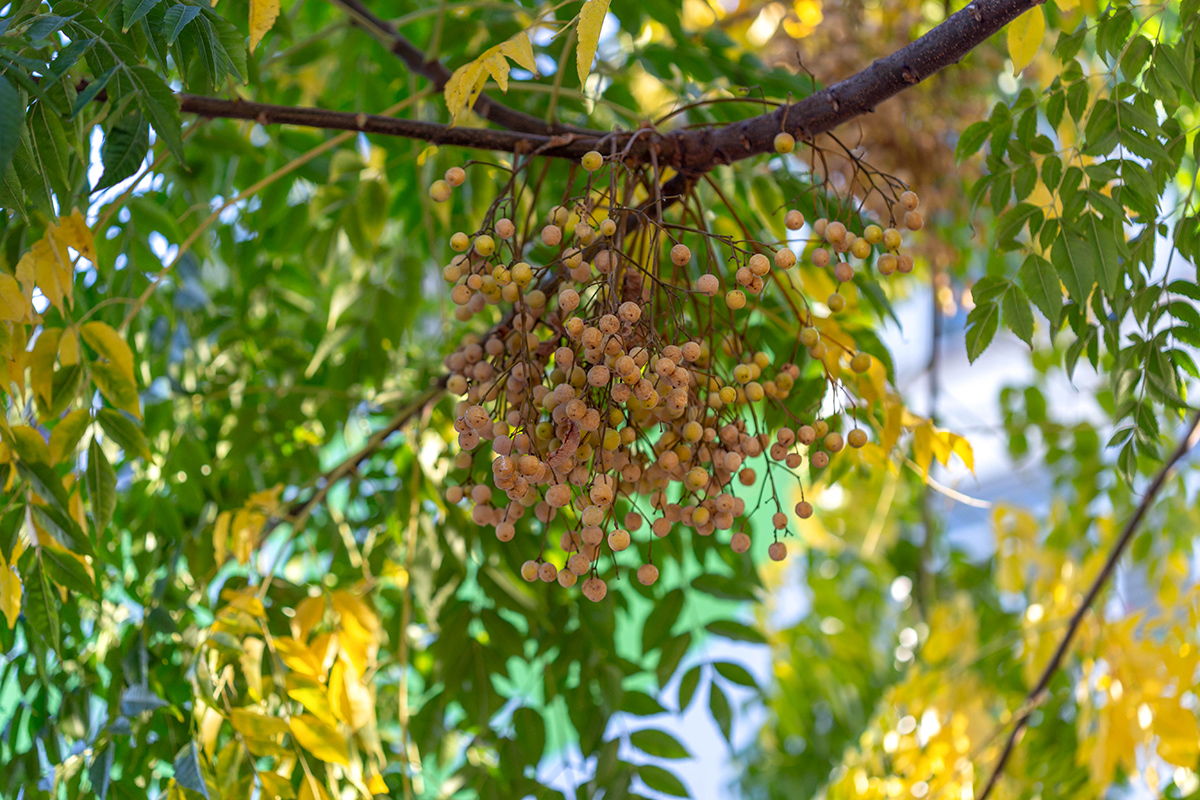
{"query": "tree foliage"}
pixel 245 547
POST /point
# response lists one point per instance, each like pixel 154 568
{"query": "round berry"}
pixel 592 161
pixel 793 220
pixel 551 235
pixel 910 201
pixel 820 459
pixel 785 258
pixel 856 438
pixel 547 572
pixel 505 228
pixel 485 245
pixel 439 191
pixel 784 143
pixel 860 247
pixel 861 362
pixel 708 284
pixel 820 257
pixel 887 264
pixel 647 574
pixel 777 551
pixel 835 232
pixel 608 228
pixel 914 221
pixel 891 238
pixel 739 543
pixel 905 263
pixel 618 540
pixel 804 509
pixel 455 176
pixel 843 272
pixel 595 589
pixel 735 299
pixel 873 234
pixel 529 571
pixel 566 578
pixel 680 255
pixel 459 242
pixel 836 302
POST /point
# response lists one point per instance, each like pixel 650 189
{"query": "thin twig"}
pixel 1033 699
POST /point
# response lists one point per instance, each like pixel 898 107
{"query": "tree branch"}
pixel 1186 443
pixel 693 150
pixel 437 72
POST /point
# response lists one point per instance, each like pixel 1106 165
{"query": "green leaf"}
pixel 658 625
pixel 1043 287
pixel 66 570
pixel 724 587
pixel 1073 257
pixel 531 733
pixel 982 323
pixel 187 770
pixel 718 706
pixel 100 772
pixel 125 148
pixel 687 687
pixel 158 103
pixel 736 673
pixel 176 19
pixel 124 432
pixel 12 122
pixel 735 630
pixel 640 704
pixel 1103 240
pixel 115 385
pixel 133 10
pixel 63 529
pixel 1017 314
pixel 661 780
pixel 658 743
pixel 102 487
pixel 41 607
pixel 84 98
pixel 972 140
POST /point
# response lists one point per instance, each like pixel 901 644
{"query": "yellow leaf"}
pixel 41 365
pixel 520 50
pixel 247 525
pixel 68 347
pixel 463 89
pixel 50 265
pixel 299 657
pixel 962 448
pixel 1025 37
pixel 313 696
pixel 275 787
pixel 591 19
pixel 13 307
pixel 73 231
pixel 923 438
pixel 262 17
pixel 253 724
pixel 111 347
pixel 375 784
pixel 893 412
pixel 221 537
pixel 311 790
pixel 10 591
pixel 29 445
pixel 308 613
pixel 320 739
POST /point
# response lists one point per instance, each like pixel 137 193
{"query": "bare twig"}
pixel 1033 699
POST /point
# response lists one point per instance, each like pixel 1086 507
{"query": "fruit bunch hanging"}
pixel 617 397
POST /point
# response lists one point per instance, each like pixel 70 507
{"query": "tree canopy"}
pixel 446 399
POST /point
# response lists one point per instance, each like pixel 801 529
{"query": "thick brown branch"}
pixel 437 72
pixel 694 150
pixel 1186 443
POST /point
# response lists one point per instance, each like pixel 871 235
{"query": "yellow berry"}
pixel 680 255
pixel 455 176
pixel 861 362
pixel 784 143
pixel 857 437
pixel 485 245
pixel 459 242
pixel 891 238
pixel 836 302
pixel 860 247
pixel 873 234
pixel 735 299
pixel 439 191
pixel 529 571
pixel 592 161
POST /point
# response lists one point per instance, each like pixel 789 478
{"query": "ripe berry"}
pixel 618 540
pixel 529 571
pixel 551 235
pixel 857 437
pixel 860 247
pixel 547 572
pixel 804 509
pixel 843 272
pixel 485 245
pixel 739 542
pixel 439 191
pixel 905 264
pixel 793 220
pixel 595 589
pixel 777 551
pixel 784 143
pixel 455 176
pixel 592 161
pixel 820 257
pixel 820 459
pixel 608 228
pixel 887 264
pixel 914 221
pixel 459 242
pixel 809 336
pixel 566 578
pixel 559 216
pixel 891 238
pixel 708 284
pixel 860 363
pixel 735 299
pixel 819 227
pixel 835 232
pixel 873 234
pixel 647 574
pixel 680 255
pixel 910 201
pixel 785 258
pixel 833 442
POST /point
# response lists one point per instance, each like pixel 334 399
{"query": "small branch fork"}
pixel 1189 439
pixel 692 150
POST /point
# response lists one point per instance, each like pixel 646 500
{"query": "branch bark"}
pixel 1186 443
pixel 694 150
